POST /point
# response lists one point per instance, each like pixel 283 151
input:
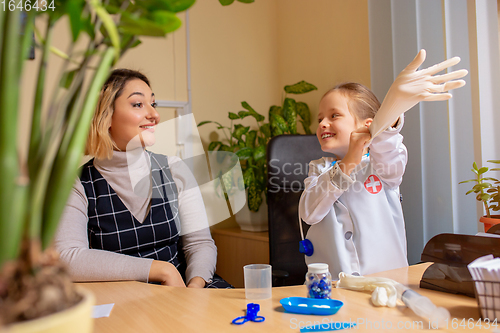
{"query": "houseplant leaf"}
pixel 304 113
pixel 259 153
pixel 244 153
pixel 252 112
pixel 214 145
pixel 233 116
pixel 301 87
pixel 248 177
pixel 254 197
pixel 290 114
pixel 266 130
pixel 226 2
pixel 250 138
pixel 275 109
pixel 239 130
pixel 278 125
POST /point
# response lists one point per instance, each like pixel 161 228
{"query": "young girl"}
pixel 352 203
pixel 110 230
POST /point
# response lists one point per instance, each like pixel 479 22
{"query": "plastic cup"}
pixel 257 281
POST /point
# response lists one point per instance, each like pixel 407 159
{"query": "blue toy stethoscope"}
pixel 305 245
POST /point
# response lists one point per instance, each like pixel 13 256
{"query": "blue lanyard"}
pixel 367 154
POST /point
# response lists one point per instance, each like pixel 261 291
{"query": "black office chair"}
pixel 288 158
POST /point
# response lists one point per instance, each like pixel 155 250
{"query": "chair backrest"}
pixel 288 158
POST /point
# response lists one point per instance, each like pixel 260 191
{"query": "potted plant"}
pixel 35 187
pixel 487 190
pixel 250 144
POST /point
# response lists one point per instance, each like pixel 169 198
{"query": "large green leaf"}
pixel 214 145
pixel 304 113
pixel 250 138
pixel 246 1
pixel 239 130
pixel 226 2
pixel 266 130
pixel 178 5
pixel 259 153
pixel 244 153
pixel 252 112
pixel 278 125
pixel 142 26
pixel 301 87
pixel 74 8
pixel 290 114
pixel 275 109
pixel 233 116
pixel 168 21
pixel 254 198
pixel 248 177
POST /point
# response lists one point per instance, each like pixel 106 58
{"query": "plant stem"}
pixel 36 135
pixel 9 164
pixel 67 162
pixel 480 181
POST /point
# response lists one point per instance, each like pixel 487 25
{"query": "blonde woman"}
pixel 113 230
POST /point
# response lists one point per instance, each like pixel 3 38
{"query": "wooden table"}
pixel 141 307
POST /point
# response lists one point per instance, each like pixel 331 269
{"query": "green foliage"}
pixel 487 189
pixel 35 187
pixel 250 145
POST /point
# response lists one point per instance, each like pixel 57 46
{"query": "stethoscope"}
pixel 305 245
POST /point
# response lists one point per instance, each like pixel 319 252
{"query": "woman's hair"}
pixel 362 103
pixel 99 142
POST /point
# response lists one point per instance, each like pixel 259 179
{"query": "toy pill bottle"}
pixel 318 281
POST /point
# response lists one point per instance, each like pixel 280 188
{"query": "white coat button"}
pixel 355 273
pixel 348 235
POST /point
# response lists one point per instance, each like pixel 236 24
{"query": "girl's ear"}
pixel 367 122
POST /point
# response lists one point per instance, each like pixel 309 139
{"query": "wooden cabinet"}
pixel 237 248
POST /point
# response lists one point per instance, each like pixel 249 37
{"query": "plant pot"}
pixel 77 319
pixel 253 221
pixel 489 221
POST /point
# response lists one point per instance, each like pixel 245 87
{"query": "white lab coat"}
pixel 352 230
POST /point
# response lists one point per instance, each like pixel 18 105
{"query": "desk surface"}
pixel 141 307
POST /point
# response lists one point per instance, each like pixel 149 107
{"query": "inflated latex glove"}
pixel 384 289
pixel 412 86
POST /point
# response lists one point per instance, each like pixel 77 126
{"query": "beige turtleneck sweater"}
pixel 99 265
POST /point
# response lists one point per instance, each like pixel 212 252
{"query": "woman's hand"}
pixel 359 138
pixel 166 273
pixel 196 282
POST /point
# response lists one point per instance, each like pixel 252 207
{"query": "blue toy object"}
pixel 314 306
pixel 306 247
pixel 252 309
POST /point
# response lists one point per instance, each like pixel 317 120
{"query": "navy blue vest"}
pixel 112 226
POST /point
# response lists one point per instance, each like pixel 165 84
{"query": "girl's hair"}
pixel 99 141
pixel 362 103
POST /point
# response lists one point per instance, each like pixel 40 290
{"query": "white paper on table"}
pixel 103 310
pixel 486 268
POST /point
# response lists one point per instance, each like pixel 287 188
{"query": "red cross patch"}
pixel 373 184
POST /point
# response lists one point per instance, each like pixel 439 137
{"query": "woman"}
pixel 117 228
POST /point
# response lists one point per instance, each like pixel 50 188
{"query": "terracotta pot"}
pixel 77 319
pixel 489 221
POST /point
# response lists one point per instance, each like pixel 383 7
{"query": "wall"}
pixel 324 42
